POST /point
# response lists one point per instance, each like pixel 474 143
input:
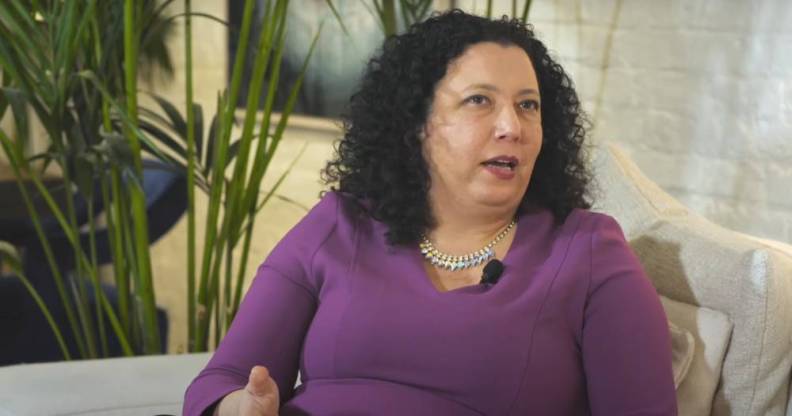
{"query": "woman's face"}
pixel 484 129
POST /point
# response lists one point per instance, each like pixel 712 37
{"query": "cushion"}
pixel 682 348
pixel 699 338
pixel 623 191
pixel 691 260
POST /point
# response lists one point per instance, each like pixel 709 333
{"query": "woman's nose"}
pixel 507 123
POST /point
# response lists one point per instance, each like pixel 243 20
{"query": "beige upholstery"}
pixel 709 334
pixel 694 261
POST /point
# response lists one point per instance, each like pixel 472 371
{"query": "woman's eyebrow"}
pixel 490 87
pixel 528 91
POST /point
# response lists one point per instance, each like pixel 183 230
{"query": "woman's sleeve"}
pixel 626 343
pixel 268 330
pixel 273 318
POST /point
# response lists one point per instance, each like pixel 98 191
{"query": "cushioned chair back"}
pixel 696 262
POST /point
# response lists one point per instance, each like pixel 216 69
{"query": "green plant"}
pixel 61 60
pixel 83 91
pixel 412 11
pixel 234 199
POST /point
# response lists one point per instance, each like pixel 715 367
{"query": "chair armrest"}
pixel 113 386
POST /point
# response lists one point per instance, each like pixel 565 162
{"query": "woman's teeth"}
pixel 501 165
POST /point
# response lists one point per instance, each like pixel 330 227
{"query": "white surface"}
pixel 118 386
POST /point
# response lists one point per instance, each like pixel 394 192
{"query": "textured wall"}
pixel 699 93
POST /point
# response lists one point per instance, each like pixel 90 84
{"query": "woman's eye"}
pixel 532 105
pixel 476 99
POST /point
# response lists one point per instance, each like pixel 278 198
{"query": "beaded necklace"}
pixel 450 262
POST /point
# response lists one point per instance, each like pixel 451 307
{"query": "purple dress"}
pixel 573 327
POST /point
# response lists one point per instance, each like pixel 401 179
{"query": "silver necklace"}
pixel 450 262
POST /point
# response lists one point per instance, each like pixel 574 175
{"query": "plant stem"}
pixel 190 178
pixel 144 287
pixel 225 123
pixel 96 282
pixel 526 10
pixel 117 251
pixel 225 315
pixel 389 17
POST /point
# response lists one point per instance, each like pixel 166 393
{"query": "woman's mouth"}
pixel 502 162
pixel 502 166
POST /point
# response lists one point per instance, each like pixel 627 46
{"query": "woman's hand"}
pixel 260 396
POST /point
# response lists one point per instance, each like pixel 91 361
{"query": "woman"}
pixel 463 144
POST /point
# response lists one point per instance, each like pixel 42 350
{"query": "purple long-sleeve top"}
pixel 573 326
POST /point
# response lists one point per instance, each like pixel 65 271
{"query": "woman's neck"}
pixel 460 233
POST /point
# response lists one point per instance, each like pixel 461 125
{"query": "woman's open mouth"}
pixel 502 166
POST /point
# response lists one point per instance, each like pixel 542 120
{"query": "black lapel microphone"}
pixel 492 272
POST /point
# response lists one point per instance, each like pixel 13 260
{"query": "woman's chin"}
pixel 506 199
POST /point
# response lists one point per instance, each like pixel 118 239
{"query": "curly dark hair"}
pixel 379 163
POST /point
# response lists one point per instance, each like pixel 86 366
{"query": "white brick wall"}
pixel 698 92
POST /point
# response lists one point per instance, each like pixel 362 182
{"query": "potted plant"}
pixel 58 60
pixel 61 68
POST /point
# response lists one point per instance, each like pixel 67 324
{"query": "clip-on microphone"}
pixel 492 272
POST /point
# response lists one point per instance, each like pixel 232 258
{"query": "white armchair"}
pixel 733 293
pixel 728 296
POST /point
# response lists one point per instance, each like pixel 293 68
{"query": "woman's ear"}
pixel 424 132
